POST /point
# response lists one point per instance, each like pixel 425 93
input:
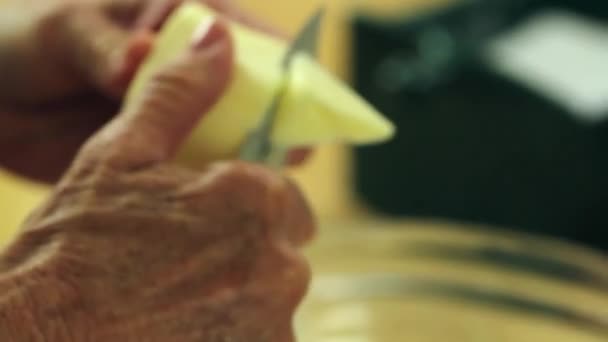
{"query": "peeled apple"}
pixel 316 109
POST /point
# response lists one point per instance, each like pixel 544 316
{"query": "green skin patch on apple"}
pixel 316 109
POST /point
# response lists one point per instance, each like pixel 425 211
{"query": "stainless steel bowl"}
pixel 414 281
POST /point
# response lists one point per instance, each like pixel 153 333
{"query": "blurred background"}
pixel 502 110
pixel 486 218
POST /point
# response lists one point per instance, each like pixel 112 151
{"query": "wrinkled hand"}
pixel 65 65
pixel 132 248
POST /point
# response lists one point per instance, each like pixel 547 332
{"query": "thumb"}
pixel 152 129
pixel 104 52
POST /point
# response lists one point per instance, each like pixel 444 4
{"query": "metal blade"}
pixel 307 40
pixel 257 146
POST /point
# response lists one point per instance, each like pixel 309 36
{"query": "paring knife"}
pixel 258 146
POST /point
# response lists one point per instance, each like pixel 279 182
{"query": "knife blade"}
pixel 258 146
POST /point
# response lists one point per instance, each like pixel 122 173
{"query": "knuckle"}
pixel 168 88
pixel 271 198
pixel 285 274
pixel 249 177
pixel 298 273
pixel 300 217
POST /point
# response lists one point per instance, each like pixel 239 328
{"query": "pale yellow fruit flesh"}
pixel 316 109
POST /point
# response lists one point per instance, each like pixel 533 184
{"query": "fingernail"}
pixel 207 34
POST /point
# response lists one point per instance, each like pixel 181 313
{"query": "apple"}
pixel 316 109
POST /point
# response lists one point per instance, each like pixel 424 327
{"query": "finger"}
pixel 275 201
pixel 155 14
pixel 127 64
pixel 299 156
pixel 153 128
pixel 102 51
pixel 124 11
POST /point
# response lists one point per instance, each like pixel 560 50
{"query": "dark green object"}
pixel 472 145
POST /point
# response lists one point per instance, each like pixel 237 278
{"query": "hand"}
pixel 131 248
pixel 65 65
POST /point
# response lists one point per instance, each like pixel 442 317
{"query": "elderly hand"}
pixel 64 66
pixel 132 248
